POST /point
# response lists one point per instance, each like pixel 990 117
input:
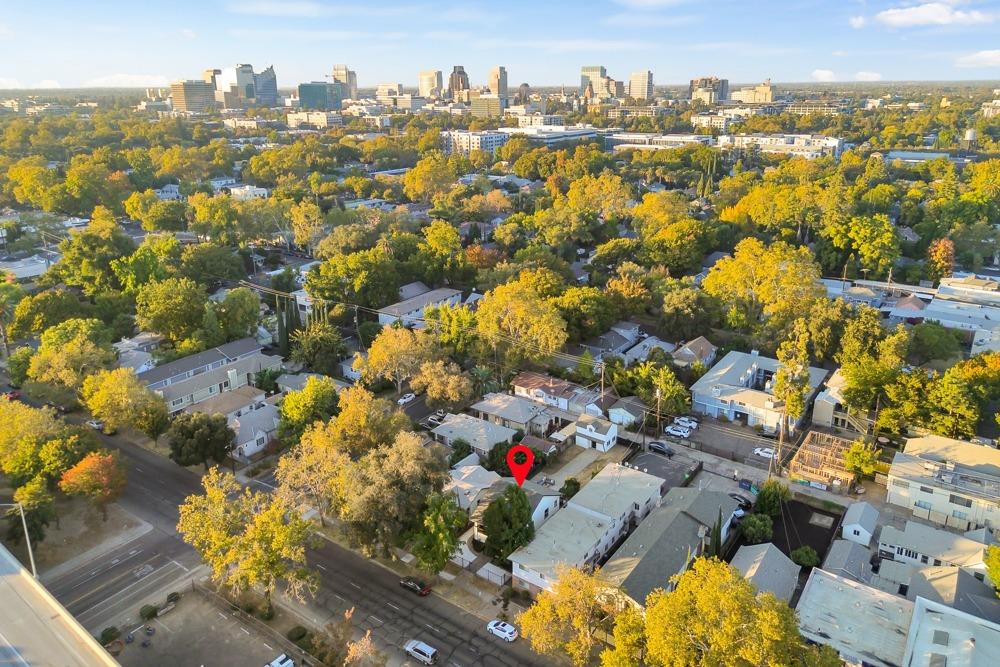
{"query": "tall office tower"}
pixel 523 93
pixel 709 89
pixel 592 74
pixel 614 88
pixel 348 79
pixel 640 85
pixel 457 82
pixel 321 95
pixel 429 83
pixel 208 76
pixel 266 84
pixel 235 87
pixel 192 96
pixel 762 94
pixel 498 81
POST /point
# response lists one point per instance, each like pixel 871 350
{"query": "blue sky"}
pixel 60 43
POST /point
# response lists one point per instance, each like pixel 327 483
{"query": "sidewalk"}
pixel 93 554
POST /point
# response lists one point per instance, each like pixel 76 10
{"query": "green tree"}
pixel 39 508
pixel 18 364
pixel 118 398
pixel 238 313
pixel 771 496
pixel 38 312
pixel 307 472
pixel 396 355
pixel 363 422
pixel 992 562
pixel 197 437
pixel 757 528
pixel 519 326
pixel 10 294
pixel 247 538
pixel 588 312
pixel 429 177
pixel 436 539
pixel 861 457
pixel 805 556
pixel 791 380
pixel 930 340
pixel 320 346
pixel 507 523
pixel 444 384
pixel 67 365
pixel 203 261
pixel 87 254
pixel 174 307
pixel 316 401
pixel 954 411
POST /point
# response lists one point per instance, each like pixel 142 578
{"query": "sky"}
pixel 61 43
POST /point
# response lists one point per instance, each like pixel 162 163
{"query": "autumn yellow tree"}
pixel 396 355
pixel 519 325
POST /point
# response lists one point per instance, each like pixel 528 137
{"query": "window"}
pixel 176 401
pixel 923 559
pixel 910 553
pixel 635 506
pixel 901 483
pixel 857 532
pixel 958 514
pixel 959 500
pixel 940 638
pixel 937 562
pixel 926 489
pixel 923 504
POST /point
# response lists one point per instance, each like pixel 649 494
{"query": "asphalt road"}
pixel 110 590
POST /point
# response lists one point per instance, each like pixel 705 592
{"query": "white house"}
pixel 411 311
pixel 640 351
pixel 608 507
pixel 627 411
pixel 562 394
pixel 595 433
pixel 253 419
pixel 248 192
pixel 169 192
pixel 919 545
pixel 514 412
pixel 740 388
pixel 859 524
pixel 698 351
pixel 769 570
pixel 481 435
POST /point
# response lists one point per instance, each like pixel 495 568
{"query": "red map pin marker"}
pixel 520 470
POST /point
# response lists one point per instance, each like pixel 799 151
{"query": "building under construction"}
pixel 819 462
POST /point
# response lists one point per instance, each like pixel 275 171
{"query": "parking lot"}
pixel 737 443
pixel 197 633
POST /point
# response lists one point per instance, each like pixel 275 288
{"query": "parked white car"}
pixel 423 652
pixel 677 431
pixel 686 422
pixel 406 398
pixel 765 452
pixel 503 630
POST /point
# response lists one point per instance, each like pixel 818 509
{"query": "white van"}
pixel 421 651
pixel 281 661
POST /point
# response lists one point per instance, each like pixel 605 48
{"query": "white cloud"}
pixel 839 54
pixel 857 21
pixel 981 59
pixel 46 84
pixel 867 76
pixel 188 33
pixel 10 84
pixel 649 21
pixel 931 13
pixel 5 31
pixel 823 75
pixel 308 9
pixel 128 81
pixel 649 4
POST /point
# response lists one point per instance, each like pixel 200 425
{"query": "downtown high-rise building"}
pixel 321 95
pixel 192 96
pixel 430 83
pixel 266 85
pixel 458 82
pixel 709 89
pixel 640 85
pixel 498 81
pixel 592 76
pixel 348 80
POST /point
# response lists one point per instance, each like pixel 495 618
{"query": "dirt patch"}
pixel 80 529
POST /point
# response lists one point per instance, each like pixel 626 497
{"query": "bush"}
pixel 110 634
pixel 805 556
pixel 569 488
pixel 772 494
pixel 148 612
pixel 306 643
pixel 296 633
pixel 173 598
pixel 266 613
pixel 757 528
pixel 459 450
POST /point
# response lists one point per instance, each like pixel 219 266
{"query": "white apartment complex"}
pixel 466 141
pixel 809 146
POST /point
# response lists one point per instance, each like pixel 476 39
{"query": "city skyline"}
pixel 544 45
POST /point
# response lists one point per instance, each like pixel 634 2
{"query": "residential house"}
pixel 740 388
pixel 830 411
pixel 940 635
pixel 698 351
pixel 480 434
pixel 411 290
pixel 769 570
pixel 562 394
pixel 674 534
pixel 515 412
pixel 859 523
pixel 620 337
pixel 640 351
pixel 919 544
pixel 253 419
pixel 849 559
pixel 863 624
pixel 954 587
pixel 411 311
pixel 543 501
pixel 595 433
pixel 468 483
pixel 287 382
pixel 137 352
pixel 608 506
pixel 628 411
pixel 347 368
pixel 950 482
pixel 201 376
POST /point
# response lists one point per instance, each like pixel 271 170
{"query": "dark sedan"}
pixel 415 585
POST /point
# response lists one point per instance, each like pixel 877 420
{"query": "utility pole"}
pixel 658 396
pixel 27 538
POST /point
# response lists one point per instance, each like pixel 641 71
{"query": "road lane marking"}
pixel 105 585
pixel 138 469
pixel 355 585
pixel 339 598
pixel 224 617
pixel 179 565
pixel 245 631
pixel 146 580
pixel 432 628
pixel 376 619
pixel 268 647
pixel 393 606
pixel 321 567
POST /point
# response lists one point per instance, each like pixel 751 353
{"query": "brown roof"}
pixel 551 385
pixel 699 348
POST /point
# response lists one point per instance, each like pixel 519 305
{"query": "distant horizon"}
pixel 139 45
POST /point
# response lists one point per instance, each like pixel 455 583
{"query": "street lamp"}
pixel 27 538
